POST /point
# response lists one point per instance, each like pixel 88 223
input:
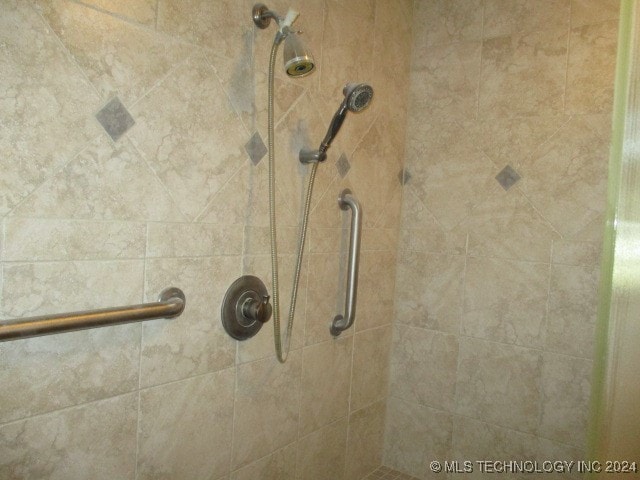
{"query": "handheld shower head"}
pixel 357 97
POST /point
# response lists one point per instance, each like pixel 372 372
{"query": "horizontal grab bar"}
pixel 341 323
pixel 170 305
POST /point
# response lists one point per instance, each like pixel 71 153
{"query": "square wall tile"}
pixel 267 408
pixel 499 384
pixel 95 440
pixel 326 377
pixel 566 390
pixel 416 435
pixel 505 301
pixel 523 74
pixel 423 367
pixel 185 428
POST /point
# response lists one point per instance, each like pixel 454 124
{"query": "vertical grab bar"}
pixel 340 323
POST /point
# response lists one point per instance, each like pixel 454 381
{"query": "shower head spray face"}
pixel 357 96
pixel 298 62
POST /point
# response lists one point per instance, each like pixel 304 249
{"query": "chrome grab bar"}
pixel 170 305
pixel 340 323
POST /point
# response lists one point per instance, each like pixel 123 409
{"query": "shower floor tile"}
pixel 386 473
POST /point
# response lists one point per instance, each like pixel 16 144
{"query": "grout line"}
pixel 566 68
pixel 456 414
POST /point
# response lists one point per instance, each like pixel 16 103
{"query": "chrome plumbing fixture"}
pixel 245 307
pixel 298 62
pixel 357 97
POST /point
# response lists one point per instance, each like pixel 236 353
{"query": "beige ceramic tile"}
pixel 29 239
pixel 392 42
pixel 143 11
pixel 48 105
pixel 96 440
pixel 507 226
pixel 375 187
pixel 444 82
pixel 195 342
pixel 244 200
pixel 504 17
pixel 449 174
pixel 523 74
pixel 591 68
pixel 585 12
pixel 257 240
pixel 429 291
pixel 443 21
pixel 325 296
pixel 566 388
pixel 360 8
pixel 347 47
pixel 193 240
pixel 509 141
pixel 421 232
pixel 326 377
pixel 322 454
pixel 266 408
pixel 550 450
pixel 118 58
pixel 365 440
pixel 565 179
pixel 48 288
pixel 224 26
pixel 330 240
pixel 379 239
pixel 370 376
pixel 104 182
pixel 185 428
pixel 49 373
pixel 279 465
pixel 573 304
pixel 474 440
pixel 246 84
pixel 327 213
pixel 499 384
pixel 505 301
pixel 416 435
pixel 376 284
pixel 576 253
pixel 423 367
pixel 190 135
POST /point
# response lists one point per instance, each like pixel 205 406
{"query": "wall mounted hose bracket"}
pixel 245 307
pixel 341 323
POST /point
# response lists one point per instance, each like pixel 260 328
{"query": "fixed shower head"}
pixel 357 96
pixel 298 62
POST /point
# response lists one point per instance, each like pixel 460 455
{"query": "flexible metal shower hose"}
pixel 282 351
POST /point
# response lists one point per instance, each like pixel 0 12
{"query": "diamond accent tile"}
pixel 115 118
pixel 343 165
pixel 507 177
pixel 256 148
pixel 404 176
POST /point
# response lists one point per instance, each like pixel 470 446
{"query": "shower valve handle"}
pixel 257 309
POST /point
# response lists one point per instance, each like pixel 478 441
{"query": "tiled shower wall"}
pixel 496 287
pixel 173 198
